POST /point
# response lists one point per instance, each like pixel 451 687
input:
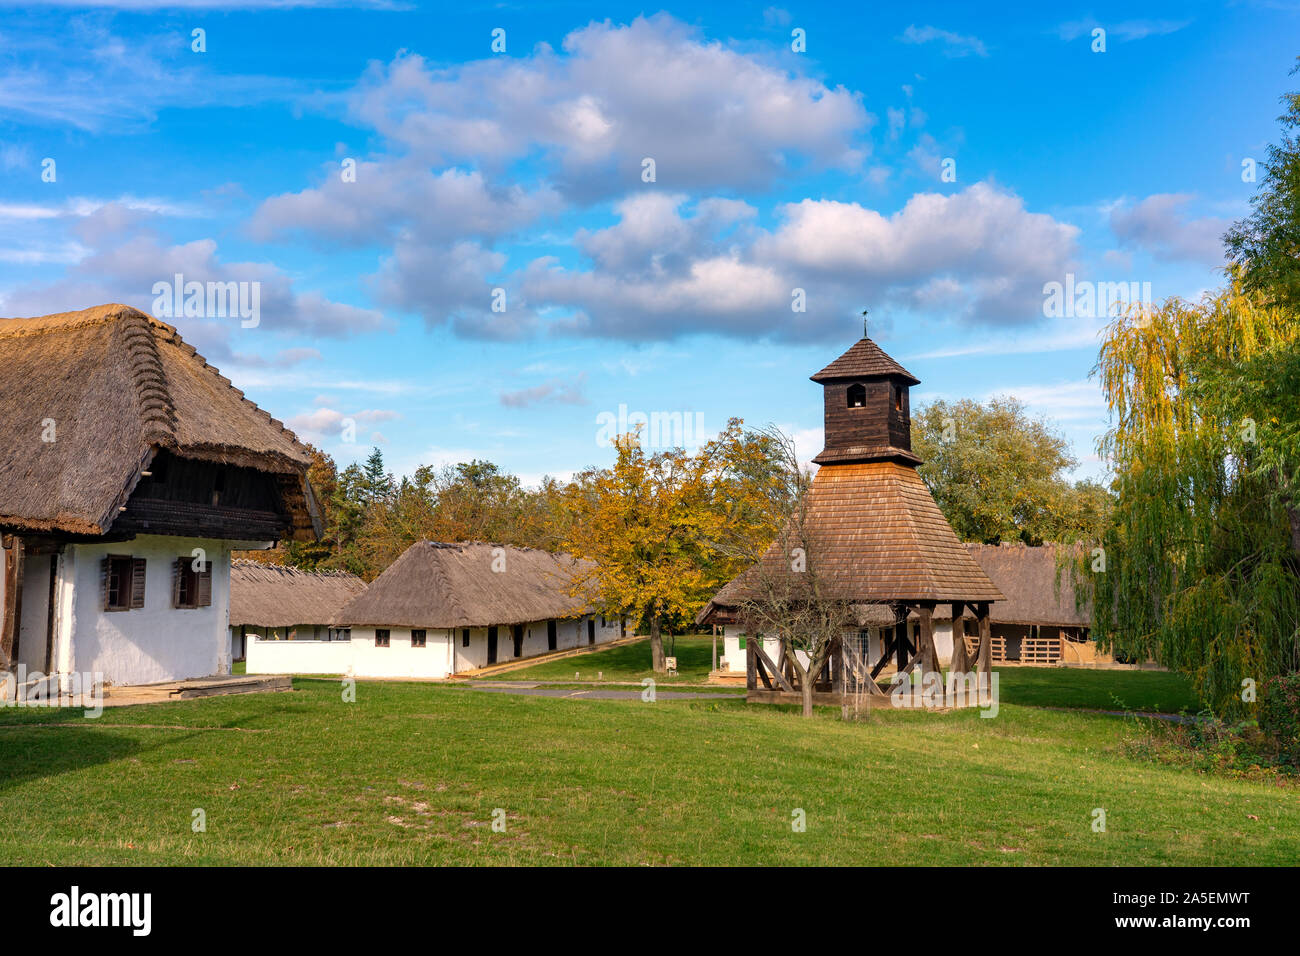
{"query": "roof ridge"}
pixel 176 339
pixel 153 396
pixel 444 583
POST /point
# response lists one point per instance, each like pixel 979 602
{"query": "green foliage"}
pixel 1201 564
pixel 1267 243
pixel 997 474
pixel 1279 714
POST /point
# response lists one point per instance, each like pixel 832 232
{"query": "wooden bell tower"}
pixel 867 407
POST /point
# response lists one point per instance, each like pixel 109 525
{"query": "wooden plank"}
pixel 884 653
pixel 751 662
pixel 928 654
pixel 901 644
pixel 960 663
pixel 762 671
pixel 780 678
pixel 985 658
pixel 8 617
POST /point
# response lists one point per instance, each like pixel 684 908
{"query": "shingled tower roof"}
pixel 874 530
pixel 865 359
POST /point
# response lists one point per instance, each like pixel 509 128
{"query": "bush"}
pixel 1279 714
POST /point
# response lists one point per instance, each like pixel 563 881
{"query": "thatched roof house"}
pixel 440 585
pixel 129 470
pixel 271 595
pixel 1034 593
pixel 442 609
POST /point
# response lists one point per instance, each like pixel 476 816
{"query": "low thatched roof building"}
pixel 270 595
pixel 1034 591
pixel 439 585
pixel 443 609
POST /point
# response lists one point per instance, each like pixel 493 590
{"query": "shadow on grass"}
pixel 34 750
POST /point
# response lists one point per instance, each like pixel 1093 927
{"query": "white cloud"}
pixel 126 257
pixel 661 272
pixel 954 44
pixel 1161 226
pixel 707 114
pixel 1124 30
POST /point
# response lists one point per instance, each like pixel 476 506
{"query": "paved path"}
pixel 596 693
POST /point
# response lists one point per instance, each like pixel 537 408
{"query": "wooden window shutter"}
pixel 178 575
pixel 137 582
pixel 105 574
pixel 204 598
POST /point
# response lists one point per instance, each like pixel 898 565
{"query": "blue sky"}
pixel 524 171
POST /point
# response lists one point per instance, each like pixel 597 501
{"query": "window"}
pixel 381 637
pixel 340 634
pixel 417 638
pixel 464 637
pixel 191 588
pixel 898 398
pixel 857 396
pixel 123 579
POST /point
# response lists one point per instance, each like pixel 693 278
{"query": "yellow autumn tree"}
pixel 650 524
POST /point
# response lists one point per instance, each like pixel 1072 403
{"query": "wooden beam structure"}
pixel 11 620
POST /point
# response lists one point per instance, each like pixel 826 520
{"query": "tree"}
pixel 376 482
pixel 1201 556
pixel 1266 245
pixel 782 590
pixel 650 523
pixel 997 474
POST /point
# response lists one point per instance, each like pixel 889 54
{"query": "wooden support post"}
pixel 926 650
pixel 751 664
pixel 715 647
pixel 10 613
pixel 887 639
pixel 960 662
pixel 985 659
pixel 765 665
pixel 901 643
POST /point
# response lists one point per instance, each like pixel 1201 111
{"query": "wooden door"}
pixel 591 630
pixel 492 645
pixel 517 633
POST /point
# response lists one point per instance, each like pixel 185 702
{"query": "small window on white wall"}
pixel 381 637
pixel 418 638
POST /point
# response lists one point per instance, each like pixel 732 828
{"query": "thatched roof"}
pixel 865 359
pixel 268 595
pixel 1028 580
pixel 1032 592
pixel 439 585
pixel 120 385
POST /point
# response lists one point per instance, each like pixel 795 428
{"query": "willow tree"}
pixel 1199 569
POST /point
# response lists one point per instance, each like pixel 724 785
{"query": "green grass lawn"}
pixel 1149 691
pixel 412 773
pixel 627 662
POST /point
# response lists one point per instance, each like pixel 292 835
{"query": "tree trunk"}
pixel 807 689
pixel 656 645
